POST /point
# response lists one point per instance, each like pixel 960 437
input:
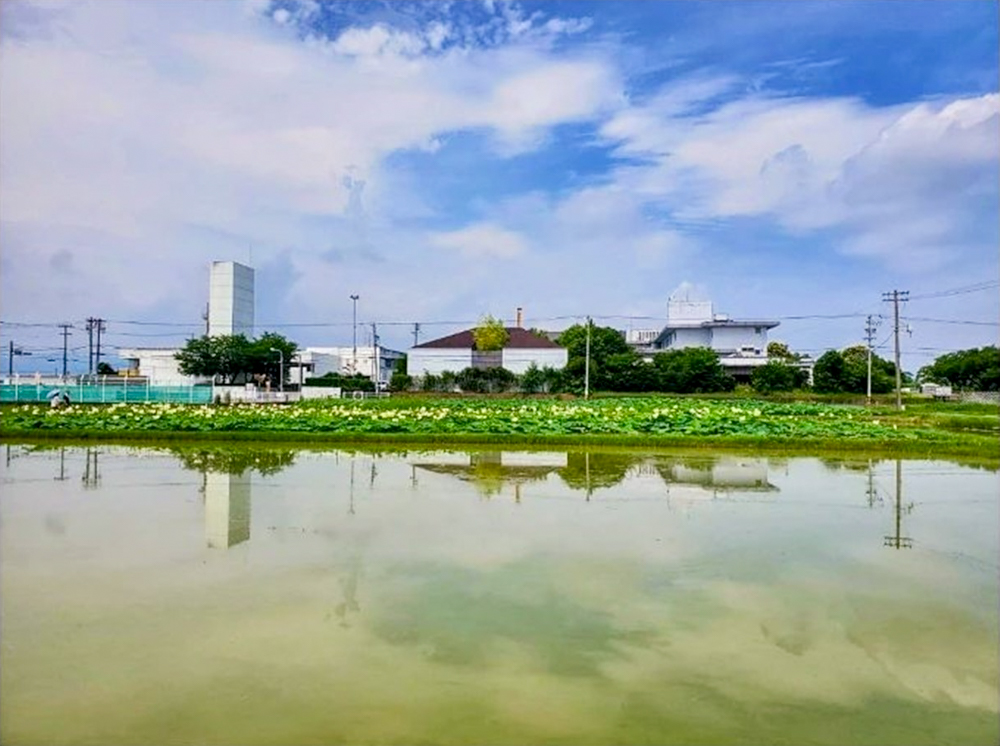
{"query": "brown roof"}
pixel 520 339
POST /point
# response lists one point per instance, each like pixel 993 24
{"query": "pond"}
pixel 275 596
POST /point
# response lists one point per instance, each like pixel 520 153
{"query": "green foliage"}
pixel 691 370
pixel 604 342
pixel 400 382
pixel 352 382
pixel 490 335
pixel 847 372
pixel 486 380
pixel 103 369
pixel 647 416
pixel 778 376
pixel 233 359
pixel 779 350
pixel 976 369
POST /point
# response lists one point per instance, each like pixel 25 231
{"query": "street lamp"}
pixel 281 368
pixel 354 326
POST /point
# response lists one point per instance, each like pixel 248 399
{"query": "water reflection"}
pixel 588 471
pixel 227 509
pixel 380 601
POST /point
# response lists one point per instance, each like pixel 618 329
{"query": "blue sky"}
pixel 448 160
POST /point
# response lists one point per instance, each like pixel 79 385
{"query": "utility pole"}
pixel 416 334
pixel 870 326
pixel 65 332
pixel 896 296
pixel 586 365
pixel 91 321
pixel 375 370
pixel 98 327
pixel 354 327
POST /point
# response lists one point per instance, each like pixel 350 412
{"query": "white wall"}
pixel 694 337
pixel 519 360
pixel 160 366
pixel 230 299
pixel 420 362
pixel 726 338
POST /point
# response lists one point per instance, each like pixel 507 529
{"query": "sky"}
pixel 443 161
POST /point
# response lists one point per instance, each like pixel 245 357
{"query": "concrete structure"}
pixel 695 324
pixel 230 299
pixel 456 352
pixel 158 364
pixel 313 362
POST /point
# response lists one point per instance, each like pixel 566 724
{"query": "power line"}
pixel 961 290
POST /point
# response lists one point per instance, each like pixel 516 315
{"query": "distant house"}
pixel 457 352
pixel 740 345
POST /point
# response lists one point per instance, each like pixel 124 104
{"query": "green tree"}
pixel 103 369
pixel 976 369
pixel 400 381
pixel 604 342
pixel 490 335
pixel 691 370
pixel 234 359
pixel 780 351
pixel 778 376
pixel 847 372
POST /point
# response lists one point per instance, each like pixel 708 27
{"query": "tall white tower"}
pixel 230 299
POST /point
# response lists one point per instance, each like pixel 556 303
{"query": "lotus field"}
pixel 502 417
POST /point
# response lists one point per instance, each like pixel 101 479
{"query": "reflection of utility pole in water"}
pixel 350 508
pixel 349 591
pixel 586 471
pixel 898 541
pixel 871 492
pixel 62 465
pixel 371 480
pixel 91 476
pixel 413 476
pixel 227 509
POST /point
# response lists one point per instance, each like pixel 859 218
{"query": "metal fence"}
pixel 105 392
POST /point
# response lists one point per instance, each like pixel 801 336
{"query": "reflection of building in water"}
pixel 227 509
pixel 725 474
pixel 490 471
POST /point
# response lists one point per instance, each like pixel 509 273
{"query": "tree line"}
pixel 614 366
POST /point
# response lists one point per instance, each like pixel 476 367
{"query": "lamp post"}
pixel 281 368
pixel 354 327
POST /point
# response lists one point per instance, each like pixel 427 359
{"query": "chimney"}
pixel 520 318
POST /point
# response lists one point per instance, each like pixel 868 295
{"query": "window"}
pixel 757 330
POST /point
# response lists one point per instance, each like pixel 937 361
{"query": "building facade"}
pixel 230 299
pixel 457 352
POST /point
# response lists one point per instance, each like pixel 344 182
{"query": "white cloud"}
pixel 141 122
pixel 482 240
pixel 895 181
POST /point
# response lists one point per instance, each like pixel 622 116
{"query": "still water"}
pixel 267 596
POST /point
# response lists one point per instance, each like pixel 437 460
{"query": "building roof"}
pixel 519 339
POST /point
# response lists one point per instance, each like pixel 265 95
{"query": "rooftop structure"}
pixel 230 299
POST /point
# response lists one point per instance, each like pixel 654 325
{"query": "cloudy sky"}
pixel 444 161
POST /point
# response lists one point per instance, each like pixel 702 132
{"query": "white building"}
pixel 158 364
pixel 695 324
pixel 456 352
pixel 313 362
pixel 230 299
